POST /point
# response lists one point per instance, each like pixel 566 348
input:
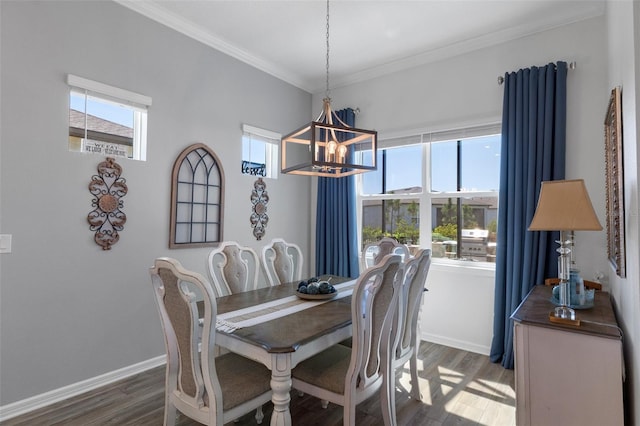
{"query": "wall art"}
pixel 197 198
pixel 259 200
pixel 107 218
pixel 614 167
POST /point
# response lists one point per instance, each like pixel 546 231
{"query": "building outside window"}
pixel 438 191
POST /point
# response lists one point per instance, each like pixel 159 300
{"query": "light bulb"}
pixel 342 154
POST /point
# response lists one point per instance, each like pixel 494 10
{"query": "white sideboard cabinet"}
pixel 567 375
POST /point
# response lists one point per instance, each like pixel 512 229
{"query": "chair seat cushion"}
pixel 241 379
pixel 326 370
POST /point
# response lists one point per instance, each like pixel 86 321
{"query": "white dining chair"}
pixel 348 376
pixel 282 262
pixel 211 390
pixel 233 268
pixel 405 332
pixel 376 251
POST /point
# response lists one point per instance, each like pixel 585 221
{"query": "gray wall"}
pixel 70 311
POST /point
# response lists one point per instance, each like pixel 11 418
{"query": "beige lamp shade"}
pixel 564 205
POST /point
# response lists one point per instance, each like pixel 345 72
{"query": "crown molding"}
pixel 466 46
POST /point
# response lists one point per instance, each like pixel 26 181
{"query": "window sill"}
pixel 464 266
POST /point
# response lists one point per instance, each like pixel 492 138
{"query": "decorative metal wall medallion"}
pixel 259 200
pixel 107 218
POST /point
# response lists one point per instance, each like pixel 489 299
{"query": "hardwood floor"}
pixel 458 388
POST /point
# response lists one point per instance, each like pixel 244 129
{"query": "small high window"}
pixel 260 152
pixel 107 120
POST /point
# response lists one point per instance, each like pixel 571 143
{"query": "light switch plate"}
pixel 5 243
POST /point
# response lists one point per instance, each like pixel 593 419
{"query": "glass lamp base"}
pixel 564 312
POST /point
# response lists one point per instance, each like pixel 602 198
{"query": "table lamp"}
pixel 565 206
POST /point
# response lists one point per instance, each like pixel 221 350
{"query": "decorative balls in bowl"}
pixel 315 287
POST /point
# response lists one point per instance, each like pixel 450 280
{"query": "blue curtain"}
pixel 336 230
pixel 533 150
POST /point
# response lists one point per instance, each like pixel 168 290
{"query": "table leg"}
pixel 281 387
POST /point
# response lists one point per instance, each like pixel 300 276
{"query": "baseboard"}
pixel 458 344
pixel 56 395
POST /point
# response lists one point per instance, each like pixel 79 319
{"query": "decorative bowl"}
pixel 316 296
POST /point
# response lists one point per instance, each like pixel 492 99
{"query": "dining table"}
pixel 276 327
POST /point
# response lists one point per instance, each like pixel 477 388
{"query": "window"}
pixel 260 152
pixel 438 187
pixel 390 206
pixel 107 120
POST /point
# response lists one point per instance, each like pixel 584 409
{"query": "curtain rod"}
pixel 572 66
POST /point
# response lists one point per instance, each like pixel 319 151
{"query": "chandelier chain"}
pixel 327 90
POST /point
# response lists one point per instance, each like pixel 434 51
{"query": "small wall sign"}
pixel 104 148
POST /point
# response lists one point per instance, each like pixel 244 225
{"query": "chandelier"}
pixel 328 146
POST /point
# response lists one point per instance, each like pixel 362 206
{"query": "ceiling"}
pixel 287 39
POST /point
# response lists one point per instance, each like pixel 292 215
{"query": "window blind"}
pixel 266 135
pixel 111 93
pixel 442 135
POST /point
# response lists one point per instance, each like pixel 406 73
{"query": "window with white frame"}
pixel 107 120
pixel 435 190
pixel 260 152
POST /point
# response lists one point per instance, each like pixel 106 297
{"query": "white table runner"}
pixel 268 311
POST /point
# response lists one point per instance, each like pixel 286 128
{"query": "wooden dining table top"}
pixel 287 333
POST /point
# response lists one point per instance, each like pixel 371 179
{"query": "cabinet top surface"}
pixel 599 320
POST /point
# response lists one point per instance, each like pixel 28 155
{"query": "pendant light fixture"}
pixel 328 146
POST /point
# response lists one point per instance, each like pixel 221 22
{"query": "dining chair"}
pixel 347 376
pixel 374 252
pixel 233 268
pixel 405 330
pixel 211 390
pixel 282 262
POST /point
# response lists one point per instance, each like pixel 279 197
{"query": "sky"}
pixel 480 166
pixel 103 109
